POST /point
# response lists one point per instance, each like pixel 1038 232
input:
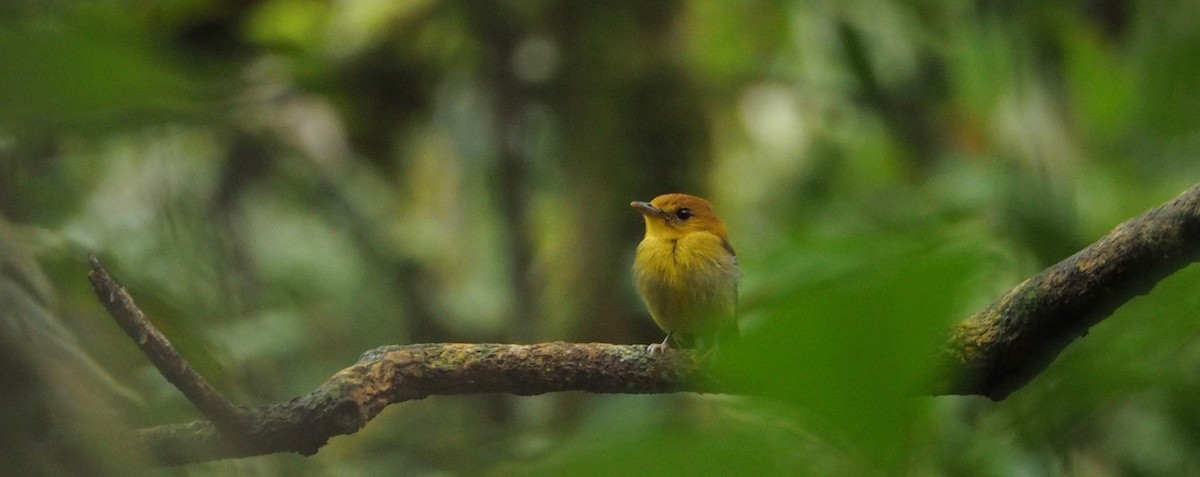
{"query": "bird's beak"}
pixel 646 209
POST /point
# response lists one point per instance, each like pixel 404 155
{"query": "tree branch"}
pixel 395 374
pixel 383 376
pixel 1001 348
pixel 158 349
pixel 991 353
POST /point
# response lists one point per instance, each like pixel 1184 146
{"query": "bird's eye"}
pixel 684 213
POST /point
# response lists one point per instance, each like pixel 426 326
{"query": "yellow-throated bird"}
pixel 687 272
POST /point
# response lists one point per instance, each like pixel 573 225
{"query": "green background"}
pixel 285 184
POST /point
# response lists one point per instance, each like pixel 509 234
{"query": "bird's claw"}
pixel 657 348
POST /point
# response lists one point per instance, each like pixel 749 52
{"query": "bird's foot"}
pixel 659 348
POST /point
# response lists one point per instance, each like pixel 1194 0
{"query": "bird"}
pixel 687 272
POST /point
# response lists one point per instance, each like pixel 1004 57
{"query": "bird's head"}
pixel 671 216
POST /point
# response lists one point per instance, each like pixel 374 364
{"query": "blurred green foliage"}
pixel 284 184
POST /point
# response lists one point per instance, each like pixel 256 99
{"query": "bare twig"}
pixel 158 349
pixel 1000 349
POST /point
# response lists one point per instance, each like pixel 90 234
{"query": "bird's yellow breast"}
pixel 689 282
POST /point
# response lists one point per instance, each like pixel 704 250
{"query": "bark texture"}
pixel 1001 348
pixel 395 374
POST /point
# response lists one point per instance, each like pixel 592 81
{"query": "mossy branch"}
pixel 395 374
pixel 1001 348
pixel 991 353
